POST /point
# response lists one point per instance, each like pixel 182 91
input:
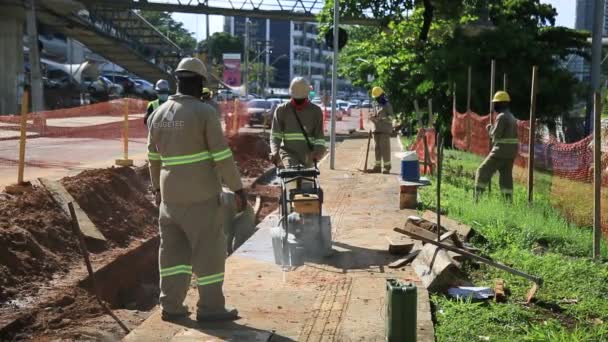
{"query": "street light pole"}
pixel 246 51
pixel 334 90
pixel 596 58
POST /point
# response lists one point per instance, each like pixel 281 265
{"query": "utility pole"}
pixel 334 88
pixel 209 64
pixel 246 52
pixel 596 59
pixel 35 75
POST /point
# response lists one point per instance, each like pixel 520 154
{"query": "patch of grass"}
pixel 572 305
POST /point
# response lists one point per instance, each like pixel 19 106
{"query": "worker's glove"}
pixel 489 128
pixel 241 200
pixel 157 198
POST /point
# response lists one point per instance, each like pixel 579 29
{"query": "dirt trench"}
pixel 45 292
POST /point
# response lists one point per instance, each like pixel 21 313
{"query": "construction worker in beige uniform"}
pixel 382 129
pixel 189 161
pixel 504 150
pixel 296 135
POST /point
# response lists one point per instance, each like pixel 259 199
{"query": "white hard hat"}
pixel 299 88
pixel 192 65
pixel 161 85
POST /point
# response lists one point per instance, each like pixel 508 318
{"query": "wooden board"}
pixel 62 197
pixel 463 230
pixel 411 227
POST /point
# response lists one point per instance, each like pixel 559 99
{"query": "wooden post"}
pixel 453 98
pixel 532 134
pixel 418 113
pixel 492 91
pixel 125 161
pixel 504 81
pixel 430 113
pixel 469 80
pixel 23 136
pixel 235 119
pixel 597 175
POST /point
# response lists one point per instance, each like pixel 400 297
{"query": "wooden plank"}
pixel 464 231
pixel 437 271
pixel 62 197
pixel 417 231
pixel 499 291
pixel 404 261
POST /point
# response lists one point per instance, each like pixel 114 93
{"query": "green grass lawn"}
pixel 572 305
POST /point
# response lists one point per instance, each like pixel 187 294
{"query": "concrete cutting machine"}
pixel 303 230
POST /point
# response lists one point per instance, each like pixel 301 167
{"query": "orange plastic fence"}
pixel 572 161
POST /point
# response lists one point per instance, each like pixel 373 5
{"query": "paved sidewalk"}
pixel 341 299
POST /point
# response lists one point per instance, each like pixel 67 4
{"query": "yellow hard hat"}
pixel 501 96
pixel 377 91
pixel 191 65
pixel 207 91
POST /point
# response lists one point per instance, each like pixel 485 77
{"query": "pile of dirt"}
pixel 269 195
pixel 36 241
pixel 117 201
pixel 251 153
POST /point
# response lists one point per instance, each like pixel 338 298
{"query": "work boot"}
pixel 386 171
pixel 172 317
pixel 226 314
pixel 376 169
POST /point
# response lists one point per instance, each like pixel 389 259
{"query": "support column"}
pixel 12 22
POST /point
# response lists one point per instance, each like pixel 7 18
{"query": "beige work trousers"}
pixel 382 143
pixel 487 169
pixel 192 239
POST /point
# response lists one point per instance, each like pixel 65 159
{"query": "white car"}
pixel 144 88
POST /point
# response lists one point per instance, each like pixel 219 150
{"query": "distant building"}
pixel 584 21
pixel 294 48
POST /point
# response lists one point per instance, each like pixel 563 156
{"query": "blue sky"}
pixel 195 23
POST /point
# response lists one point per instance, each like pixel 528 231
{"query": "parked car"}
pixel 352 106
pixel 144 89
pixel 260 112
pixel 127 83
pixel 102 87
pixel 343 106
pixel 366 104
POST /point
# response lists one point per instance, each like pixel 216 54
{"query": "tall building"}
pixel 293 50
pixel 584 21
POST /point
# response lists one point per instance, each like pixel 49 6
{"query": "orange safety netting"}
pixel 418 146
pixel 568 166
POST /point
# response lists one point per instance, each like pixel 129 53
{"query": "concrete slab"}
pixel 340 298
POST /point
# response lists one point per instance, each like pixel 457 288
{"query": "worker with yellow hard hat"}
pixel 382 129
pixel 504 149
pixel 207 97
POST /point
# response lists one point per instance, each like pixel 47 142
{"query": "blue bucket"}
pixel 410 168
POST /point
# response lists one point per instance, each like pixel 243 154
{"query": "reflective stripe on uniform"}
pixel 179 269
pixel 186 159
pixel 277 135
pixel 153 156
pixel 507 141
pixel 222 155
pixel 211 279
pixel 320 142
pixel 293 137
pixel 480 185
pixel 507 191
pixel 387 163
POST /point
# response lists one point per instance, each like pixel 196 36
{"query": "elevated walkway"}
pixel 121 36
pixel 338 299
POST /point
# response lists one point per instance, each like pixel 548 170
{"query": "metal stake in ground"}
pixel 597 175
pixel 532 134
pixel 439 169
pixel 87 261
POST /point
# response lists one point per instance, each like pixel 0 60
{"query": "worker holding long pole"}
pixel 504 149
pixel 382 128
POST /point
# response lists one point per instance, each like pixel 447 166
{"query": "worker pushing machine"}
pixel 162 93
pixel 207 97
pixel 296 136
pixel 504 150
pixel 382 129
pixel 189 161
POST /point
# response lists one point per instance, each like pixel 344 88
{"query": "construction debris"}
pixel 437 271
pixel 62 197
pixel 471 292
pixel 500 294
pixel 405 260
pixel 399 247
pixel 464 232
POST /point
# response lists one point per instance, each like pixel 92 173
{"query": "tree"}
pixel 220 43
pixel 410 68
pixel 174 30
